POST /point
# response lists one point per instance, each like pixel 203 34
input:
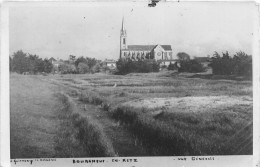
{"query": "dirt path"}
pixel 124 143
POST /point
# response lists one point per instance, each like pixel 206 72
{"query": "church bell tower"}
pixel 123 44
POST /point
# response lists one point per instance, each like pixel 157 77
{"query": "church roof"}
pixel 167 47
pixel 146 47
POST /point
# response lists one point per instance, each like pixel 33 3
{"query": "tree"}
pixel 96 68
pixel 35 64
pixel 66 68
pixel 222 65
pixel 80 60
pixel 239 64
pixel 183 56
pixel 243 64
pixel 83 68
pixel 47 66
pixel 91 62
pixel 20 63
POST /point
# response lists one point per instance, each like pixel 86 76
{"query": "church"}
pixel 160 53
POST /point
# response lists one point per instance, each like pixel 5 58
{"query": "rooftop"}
pixel 146 47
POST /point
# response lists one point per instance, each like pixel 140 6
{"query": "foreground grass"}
pixel 184 133
pixel 45 123
pixel 33 124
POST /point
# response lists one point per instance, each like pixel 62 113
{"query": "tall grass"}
pixel 188 133
pixel 88 134
pixel 159 138
pixel 94 98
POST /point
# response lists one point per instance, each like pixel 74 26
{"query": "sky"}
pixel 93 29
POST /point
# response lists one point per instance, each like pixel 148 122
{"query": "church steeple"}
pixel 123 44
pixel 123 31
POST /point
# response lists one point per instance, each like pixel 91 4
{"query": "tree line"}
pixel 21 62
pixel 239 64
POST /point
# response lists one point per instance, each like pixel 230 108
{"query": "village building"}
pixel 110 63
pixel 56 64
pixel 160 53
pixel 52 60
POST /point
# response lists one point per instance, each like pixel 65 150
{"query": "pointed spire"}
pixel 123 30
pixel 122 24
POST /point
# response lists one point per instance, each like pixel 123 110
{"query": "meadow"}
pixel 45 123
pixel 152 114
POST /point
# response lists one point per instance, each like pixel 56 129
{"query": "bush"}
pixel 66 68
pixel 163 67
pixel 173 66
pixel 125 66
pixel 83 68
pixel 191 66
pixel 87 64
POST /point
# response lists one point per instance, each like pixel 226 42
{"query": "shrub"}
pixel 125 66
pixel 163 66
pixel 191 66
pixel 173 66
pixel 66 68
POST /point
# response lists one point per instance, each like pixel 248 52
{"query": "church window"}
pixel 123 40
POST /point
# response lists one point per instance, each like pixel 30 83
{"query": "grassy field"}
pixel 45 123
pixel 33 123
pixel 158 114
pixel 172 114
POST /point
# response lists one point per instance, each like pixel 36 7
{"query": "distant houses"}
pixel 56 64
pixel 63 66
pixel 109 63
pixel 52 60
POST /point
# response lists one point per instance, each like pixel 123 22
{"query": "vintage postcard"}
pixel 130 84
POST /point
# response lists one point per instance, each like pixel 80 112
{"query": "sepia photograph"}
pixel 131 79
